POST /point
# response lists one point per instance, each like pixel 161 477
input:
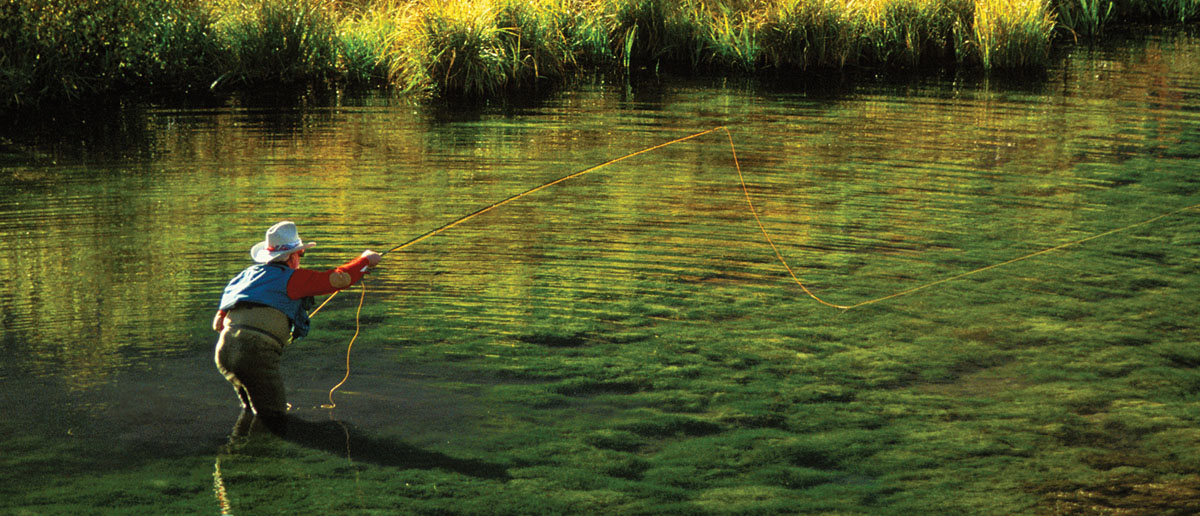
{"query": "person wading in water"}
pixel 263 309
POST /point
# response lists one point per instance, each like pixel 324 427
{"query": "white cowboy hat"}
pixel 282 240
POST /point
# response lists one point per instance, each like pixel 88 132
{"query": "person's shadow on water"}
pixel 338 438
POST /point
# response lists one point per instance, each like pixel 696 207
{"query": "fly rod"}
pixel 434 232
pixel 444 227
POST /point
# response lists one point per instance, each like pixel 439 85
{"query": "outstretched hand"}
pixel 372 257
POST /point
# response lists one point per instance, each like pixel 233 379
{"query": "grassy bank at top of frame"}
pixel 54 50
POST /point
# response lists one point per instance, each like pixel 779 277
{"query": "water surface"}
pixel 119 232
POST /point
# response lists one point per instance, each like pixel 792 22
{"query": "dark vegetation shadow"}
pixel 104 131
pixel 342 439
pixel 127 129
pixel 449 107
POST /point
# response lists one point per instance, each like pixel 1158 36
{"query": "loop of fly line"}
pixel 758 221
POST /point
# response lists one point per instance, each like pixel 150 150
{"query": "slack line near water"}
pixel 758 221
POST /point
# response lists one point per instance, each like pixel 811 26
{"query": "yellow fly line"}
pixel 357 313
pixel 908 291
pixel 762 228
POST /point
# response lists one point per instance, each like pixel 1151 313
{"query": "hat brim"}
pixel 260 254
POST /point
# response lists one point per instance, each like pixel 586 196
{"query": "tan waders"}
pixel 248 354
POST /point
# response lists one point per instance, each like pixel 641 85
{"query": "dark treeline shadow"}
pixel 342 439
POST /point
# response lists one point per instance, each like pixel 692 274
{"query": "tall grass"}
pixel 471 56
pixel 65 49
pixel 650 32
pixel 1086 17
pixel 483 48
pixel 588 36
pixel 68 49
pixel 387 47
pixel 539 49
pixel 279 43
pixel 1012 33
pixel 1181 11
pixel 365 43
pixel 906 32
pixel 809 34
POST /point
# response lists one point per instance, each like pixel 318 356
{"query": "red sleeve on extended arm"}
pixel 307 282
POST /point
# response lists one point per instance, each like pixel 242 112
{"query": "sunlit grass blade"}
pixel 1013 33
pixel 281 43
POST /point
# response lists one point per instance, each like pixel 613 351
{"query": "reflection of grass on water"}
pixel 51 50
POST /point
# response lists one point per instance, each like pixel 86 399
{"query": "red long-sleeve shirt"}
pixel 308 282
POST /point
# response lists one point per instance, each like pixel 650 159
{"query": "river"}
pixel 119 231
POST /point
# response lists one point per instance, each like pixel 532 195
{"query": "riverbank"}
pixel 58 50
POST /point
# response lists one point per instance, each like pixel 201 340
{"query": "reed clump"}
pixel 70 49
pixel 52 50
pixel 1012 33
pixel 279 43
pixel 482 47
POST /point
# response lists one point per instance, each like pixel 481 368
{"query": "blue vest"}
pixel 266 284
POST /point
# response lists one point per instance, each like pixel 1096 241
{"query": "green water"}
pixel 627 342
